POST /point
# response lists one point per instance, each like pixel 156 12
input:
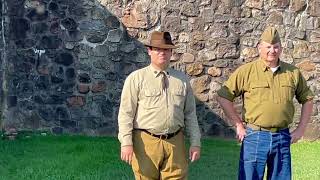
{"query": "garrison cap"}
pixel 270 35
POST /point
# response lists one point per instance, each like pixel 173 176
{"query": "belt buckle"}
pixel 274 129
pixel 164 136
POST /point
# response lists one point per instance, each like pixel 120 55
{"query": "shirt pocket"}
pixel 260 91
pixel 287 90
pixel 151 98
pixel 178 97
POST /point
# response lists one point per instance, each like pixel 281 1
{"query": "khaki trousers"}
pixel 156 159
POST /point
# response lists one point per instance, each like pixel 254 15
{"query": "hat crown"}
pixel 270 35
pixel 160 40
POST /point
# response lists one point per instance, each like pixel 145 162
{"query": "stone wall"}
pixel 66 61
pixel 65 66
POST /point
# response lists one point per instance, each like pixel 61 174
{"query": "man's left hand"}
pixel 194 153
pixel 296 135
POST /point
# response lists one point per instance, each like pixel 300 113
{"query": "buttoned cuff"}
pixel 126 141
pixel 195 142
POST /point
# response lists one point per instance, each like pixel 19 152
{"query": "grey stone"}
pixel 222 18
pixel 62 113
pixel 104 64
pixel 69 24
pixel 39 28
pixel 57 130
pixel 221 63
pixel 50 42
pixel 42 83
pixel 280 3
pixel 70 73
pixel 312 23
pixel 92 25
pixel 112 22
pixel 53 7
pixel 172 24
pixel 315 36
pixel 12 101
pixel 101 51
pixel 208 14
pixel 73 36
pixel 275 18
pixel 99 75
pixel 65 59
pixel 315 57
pixel 190 10
pixel 33 15
pixel 127 47
pixel 84 78
pixel 258 4
pixel 298 5
pixel 226 51
pixel 205 55
pixel 288 18
pixel 114 36
pixel 218 31
pixel 25 43
pixel 313 8
pixel 19 27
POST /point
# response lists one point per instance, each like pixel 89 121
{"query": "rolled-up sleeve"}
pixel 233 87
pixel 127 110
pixel 191 122
pixel 303 92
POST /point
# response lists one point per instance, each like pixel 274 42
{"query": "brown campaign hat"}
pixel 160 40
pixel 270 35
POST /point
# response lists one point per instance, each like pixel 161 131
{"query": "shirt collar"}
pixel 264 67
pixel 156 72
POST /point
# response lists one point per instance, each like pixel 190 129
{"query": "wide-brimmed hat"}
pixel 160 40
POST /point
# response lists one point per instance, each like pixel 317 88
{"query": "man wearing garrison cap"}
pixel 157 106
pixel 267 87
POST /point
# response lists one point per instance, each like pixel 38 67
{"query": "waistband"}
pixel 259 128
pixel 160 136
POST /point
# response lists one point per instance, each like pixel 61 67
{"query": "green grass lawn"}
pixel 96 158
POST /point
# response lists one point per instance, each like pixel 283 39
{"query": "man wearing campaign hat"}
pixel 157 107
pixel 267 87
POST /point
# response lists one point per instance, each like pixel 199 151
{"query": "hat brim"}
pixel 163 46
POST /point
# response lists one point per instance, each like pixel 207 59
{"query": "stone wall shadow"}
pixel 65 64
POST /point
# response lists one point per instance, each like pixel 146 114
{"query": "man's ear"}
pixel 259 47
pixel 149 50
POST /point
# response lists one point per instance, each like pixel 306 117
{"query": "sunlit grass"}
pixel 97 158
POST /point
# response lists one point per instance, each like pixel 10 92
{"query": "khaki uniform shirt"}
pixel 267 97
pixel 144 105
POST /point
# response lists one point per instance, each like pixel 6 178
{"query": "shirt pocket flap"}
pixel 152 92
pixel 286 84
pixel 179 92
pixel 259 84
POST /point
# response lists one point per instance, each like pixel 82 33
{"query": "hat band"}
pixel 159 42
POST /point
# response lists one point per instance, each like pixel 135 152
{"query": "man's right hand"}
pixel 127 153
pixel 241 131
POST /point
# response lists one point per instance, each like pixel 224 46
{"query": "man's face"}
pixel 269 52
pixel 160 58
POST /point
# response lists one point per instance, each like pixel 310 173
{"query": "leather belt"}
pixel 161 136
pixel 259 128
